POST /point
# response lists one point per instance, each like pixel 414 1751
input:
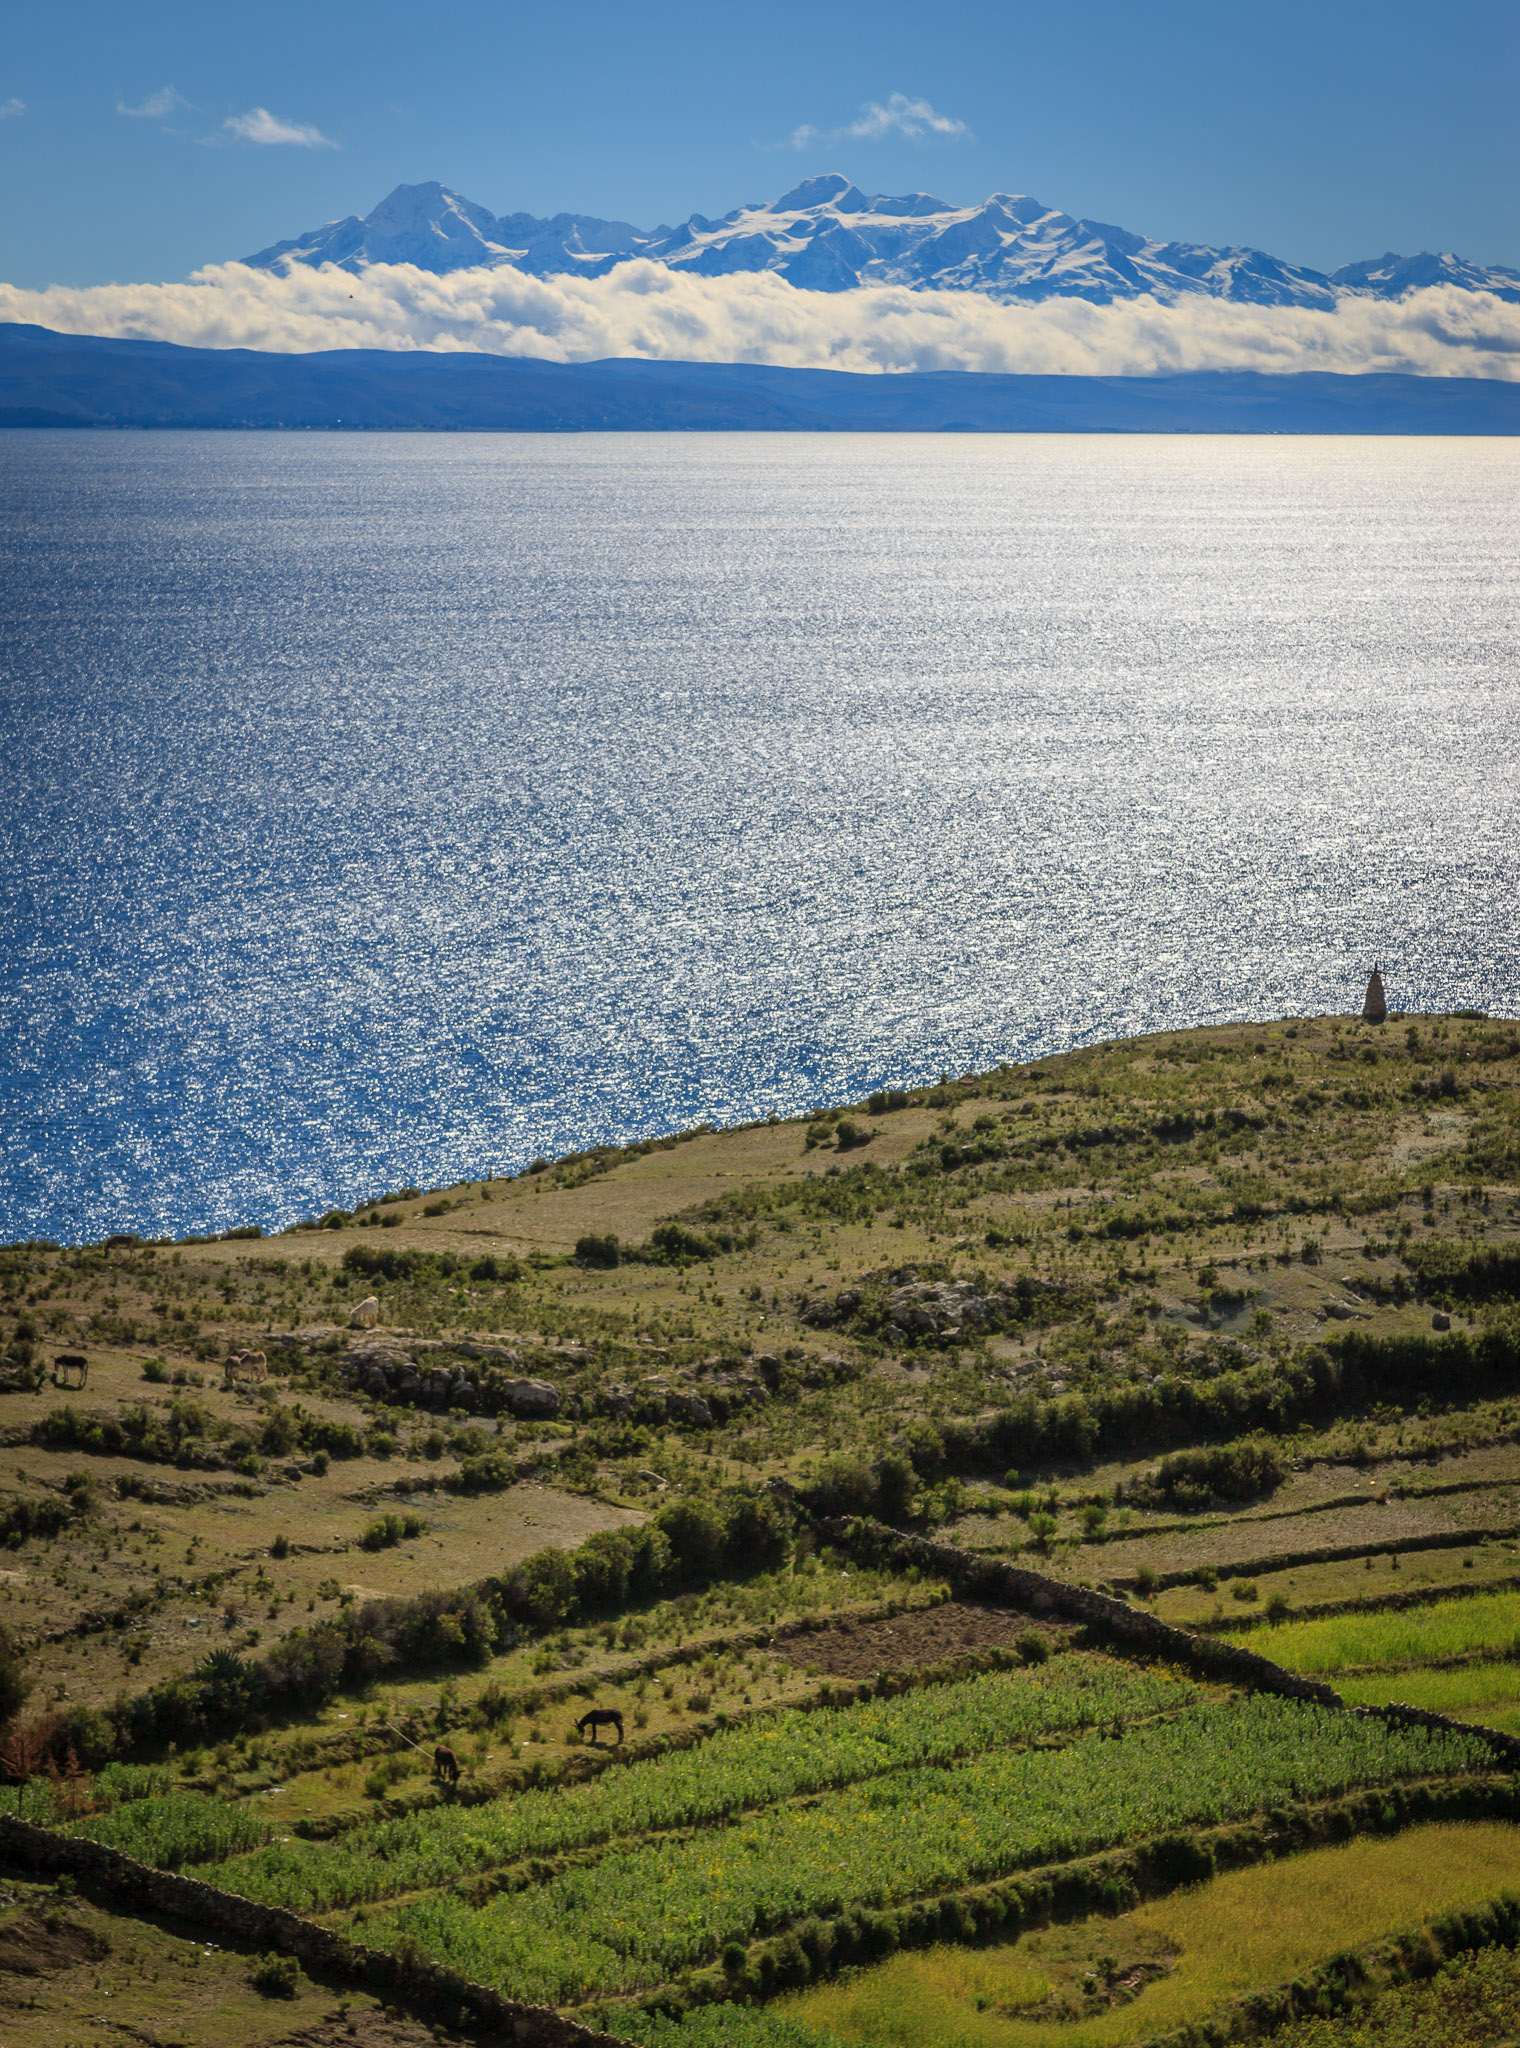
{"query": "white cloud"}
pixel 9 109
pixel 158 106
pixel 644 309
pixel 914 120
pixel 259 125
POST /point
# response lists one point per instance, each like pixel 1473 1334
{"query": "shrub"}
pixel 23 1519
pixel 672 1242
pixel 390 1530
pixel 275 1976
pixel 1032 1647
pixel 845 1486
pixel 1239 1471
pixel 603 1252
pixel 1451 1274
pixel 491 1473
pixel 14 1686
pixel 489 1269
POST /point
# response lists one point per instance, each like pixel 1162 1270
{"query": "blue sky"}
pixel 1320 132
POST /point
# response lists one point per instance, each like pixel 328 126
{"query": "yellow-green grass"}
pixel 1241 1932
pixel 1485 1693
pixel 1487 1624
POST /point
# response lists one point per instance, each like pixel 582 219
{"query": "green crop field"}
pixel 642 1913
pixel 776 1759
pixel 1485 1624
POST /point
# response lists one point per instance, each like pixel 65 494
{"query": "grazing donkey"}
pixel 445 1765
pixel 244 1366
pixel 71 1369
pixel 600 1717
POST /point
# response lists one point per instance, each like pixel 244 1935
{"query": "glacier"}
pixel 827 235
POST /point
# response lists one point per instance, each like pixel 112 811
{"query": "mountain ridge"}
pixel 825 234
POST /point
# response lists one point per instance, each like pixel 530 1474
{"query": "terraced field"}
pixel 733 1433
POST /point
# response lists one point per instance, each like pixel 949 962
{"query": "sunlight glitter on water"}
pixel 386 809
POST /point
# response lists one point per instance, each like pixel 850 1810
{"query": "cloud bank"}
pixel 912 120
pixel 259 125
pixel 643 309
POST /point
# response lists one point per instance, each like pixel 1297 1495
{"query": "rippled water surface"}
pixel 382 809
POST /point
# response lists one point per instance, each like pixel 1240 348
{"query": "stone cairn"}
pixel 1375 1007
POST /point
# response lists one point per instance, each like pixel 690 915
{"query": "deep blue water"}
pixel 387 809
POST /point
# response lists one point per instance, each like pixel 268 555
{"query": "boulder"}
pixel 531 1397
pixel 364 1314
pixel 690 1408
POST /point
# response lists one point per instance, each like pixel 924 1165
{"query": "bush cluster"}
pixel 1191 1479
pixel 390 1262
pixel 1451 1274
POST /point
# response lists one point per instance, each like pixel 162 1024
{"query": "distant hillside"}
pixel 66 380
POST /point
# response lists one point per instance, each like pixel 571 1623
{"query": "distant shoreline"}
pixel 53 380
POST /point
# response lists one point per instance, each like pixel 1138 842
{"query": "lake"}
pixel 389 809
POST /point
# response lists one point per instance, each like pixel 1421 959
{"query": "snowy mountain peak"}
pixel 831 189
pixel 825 234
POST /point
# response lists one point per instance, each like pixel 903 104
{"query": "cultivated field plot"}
pixel 1454 1656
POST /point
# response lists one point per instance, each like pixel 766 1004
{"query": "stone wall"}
pixel 441 1995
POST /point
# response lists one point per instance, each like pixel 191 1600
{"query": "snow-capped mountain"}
pixel 826 235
